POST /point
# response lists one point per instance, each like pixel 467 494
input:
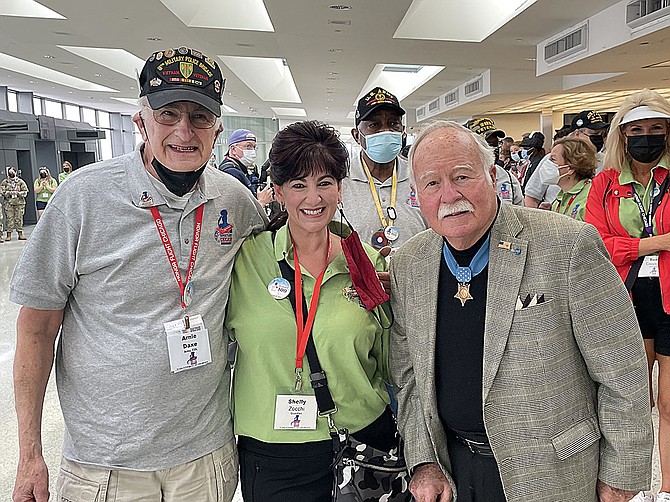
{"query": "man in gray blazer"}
pixel 518 358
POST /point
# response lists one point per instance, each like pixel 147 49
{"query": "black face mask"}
pixel 179 183
pixel 598 141
pixel 646 148
pixel 43 175
pixel 11 174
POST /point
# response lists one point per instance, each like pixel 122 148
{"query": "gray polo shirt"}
pixel 361 211
pixel 96 253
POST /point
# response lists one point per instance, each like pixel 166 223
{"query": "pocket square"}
pixel 528 301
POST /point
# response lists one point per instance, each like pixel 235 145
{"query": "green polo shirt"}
pixel 573 202
pixel 629 213
pixel 351 343
pixel 44 195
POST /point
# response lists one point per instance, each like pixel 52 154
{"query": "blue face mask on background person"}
pixel 383 147
pixel 524 154
pixel 515 157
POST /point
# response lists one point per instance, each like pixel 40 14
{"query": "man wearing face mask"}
pixel 382 201
pixel 14 190
pixel 587 124
pixel 139 297
pixel 240 160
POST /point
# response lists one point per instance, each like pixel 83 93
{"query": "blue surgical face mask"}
pixel 515 157
pixel 383 147
pixel 524 154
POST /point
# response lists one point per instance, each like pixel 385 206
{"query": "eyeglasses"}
pixel 200 119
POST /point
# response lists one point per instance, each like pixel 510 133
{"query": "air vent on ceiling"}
pixel 451 98
pixel 434 106
pixel 345 22
pixel 566 45
pixel 473 87
pixel 420 112
pixel 641 12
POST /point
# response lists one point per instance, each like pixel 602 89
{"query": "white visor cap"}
pixel 641 113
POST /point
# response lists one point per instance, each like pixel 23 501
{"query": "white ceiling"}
pixel 331 53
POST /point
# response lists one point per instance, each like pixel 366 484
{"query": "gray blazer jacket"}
pixel 565 389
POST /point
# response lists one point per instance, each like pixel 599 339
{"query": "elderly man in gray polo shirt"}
pixel 136 279
pixel 378 197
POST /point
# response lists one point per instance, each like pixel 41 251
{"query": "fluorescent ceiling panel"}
pixel 269 78
pixel 249 15
pixel 289 112
pixel 41 73
pixel 402 84
pixel 117 60
pixel 458 21
pixel 27 8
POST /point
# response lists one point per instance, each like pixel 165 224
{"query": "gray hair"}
pixel 485 151
pixel 143 102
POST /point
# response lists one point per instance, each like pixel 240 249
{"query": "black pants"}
pixel 285 472
pixel 477 477
pixel 302 472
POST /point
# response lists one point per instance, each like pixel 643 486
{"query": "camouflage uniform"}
pixel 2 218
pixel 15 191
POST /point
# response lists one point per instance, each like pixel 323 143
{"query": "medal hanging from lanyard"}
pixel 185 287
pixel 647 217
pixel 304 328
pixel 388 232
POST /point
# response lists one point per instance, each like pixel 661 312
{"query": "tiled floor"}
pixel 52 420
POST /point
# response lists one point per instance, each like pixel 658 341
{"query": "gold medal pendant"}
pixel 463 293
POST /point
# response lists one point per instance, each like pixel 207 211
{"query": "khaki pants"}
pixel 212 478
pixel 14 216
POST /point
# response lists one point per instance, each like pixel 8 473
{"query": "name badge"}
pixel 188 344
pixel 649 266
pixel 295 412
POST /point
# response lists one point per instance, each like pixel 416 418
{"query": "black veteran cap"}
pixel 377 98
pixel 484 126
pixel 588 118
pixel 182 74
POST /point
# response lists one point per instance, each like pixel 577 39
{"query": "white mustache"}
pixel 457 207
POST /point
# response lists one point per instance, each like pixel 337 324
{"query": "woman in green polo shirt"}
pixel 574 164
pixel 284 445
pixel 629 204
pixel 44 187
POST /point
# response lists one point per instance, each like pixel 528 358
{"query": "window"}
pixel 89 116
pixel 12 102
pixel 106 146
pixel 37 106
pixel 72 112
pixel 103 119
pixel 53 109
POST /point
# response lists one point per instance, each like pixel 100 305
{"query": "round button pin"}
pixel 279 288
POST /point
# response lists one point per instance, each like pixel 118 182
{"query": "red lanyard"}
pixel 567 206
pixel 169 251
pixel 305 328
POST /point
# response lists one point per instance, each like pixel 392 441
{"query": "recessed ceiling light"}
pixel 97 74
pixel 333 73
pixel 529 59
pixel 48 56
pixel 339 7
pixel 335 50
pixel 154 39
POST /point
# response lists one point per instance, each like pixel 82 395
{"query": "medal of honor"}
pixel 391 233
pixel 463 293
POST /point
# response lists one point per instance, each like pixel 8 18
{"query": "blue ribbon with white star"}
pixel 478 263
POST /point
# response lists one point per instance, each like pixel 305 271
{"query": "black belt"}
pixel 483 449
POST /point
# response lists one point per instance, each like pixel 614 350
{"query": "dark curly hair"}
pixel 306 148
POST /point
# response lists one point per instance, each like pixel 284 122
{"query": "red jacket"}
pixel 602 211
